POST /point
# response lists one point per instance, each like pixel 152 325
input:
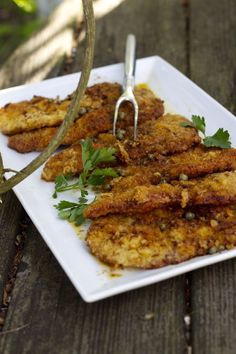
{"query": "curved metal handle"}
pixel 129 62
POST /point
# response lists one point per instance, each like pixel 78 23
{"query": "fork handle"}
pixel 129 62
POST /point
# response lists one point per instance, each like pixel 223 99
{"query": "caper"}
pixel 189 216
pixel 120 134
pixel 156 178
pixel 151 157
pixel 57 99
pixel 212 250
pixel 162 226
pixel 82 110
pixel 157 174
pixel 133 143
pixel 121 115
pixel 183 177
pixel 122 173
pixel 107 187
pixel 214 223
pixel 163 181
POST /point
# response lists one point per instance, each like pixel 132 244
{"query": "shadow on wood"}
pixel 34 59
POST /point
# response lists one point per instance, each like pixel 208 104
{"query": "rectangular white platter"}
pixel 91 278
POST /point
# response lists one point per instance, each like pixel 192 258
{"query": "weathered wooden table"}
pixel 41 312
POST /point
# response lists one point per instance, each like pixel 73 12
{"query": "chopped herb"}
pixel 220 139
pixel 92 175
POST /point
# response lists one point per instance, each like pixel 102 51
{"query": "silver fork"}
pixel 128 83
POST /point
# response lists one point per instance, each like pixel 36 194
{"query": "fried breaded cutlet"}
pixel 44 112
pixel 161 137
pixel 214 189
pixel 194 162
pixel 162 237
pixel 69 160
pixel 164 136
pixel 91 123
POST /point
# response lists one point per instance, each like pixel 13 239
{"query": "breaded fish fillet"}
pixel 165 136
pixel 162 237
pixel 194 162
pixel 91 123
pixel 44 112
pixel 215 189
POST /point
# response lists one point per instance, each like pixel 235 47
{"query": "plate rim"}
pixel 175 270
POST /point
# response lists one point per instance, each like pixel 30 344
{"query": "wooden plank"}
pixel 10 216
pixel 45 311
pixel 43 54
pixel 48 314
pixel 213 67
pixel 213 309
pixel 159 27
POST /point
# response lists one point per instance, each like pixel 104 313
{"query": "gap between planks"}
pixel 187 287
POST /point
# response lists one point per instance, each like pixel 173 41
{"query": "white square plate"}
pixel 91 278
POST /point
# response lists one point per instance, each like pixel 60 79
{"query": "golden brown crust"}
pixel 162 237
pixel 33 114
pixel 87 126
pixel 160 137
pixel 215 189
pixel 170 142
pixel 154 230
pixel 43 112
pixel 91 123
pixel 69 161
pixel 194 162
pixel 56 164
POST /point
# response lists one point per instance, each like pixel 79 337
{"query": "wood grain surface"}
pixel 43 54
pixel 46 314
pixel 159 27
pixel 11 213
pixel 54 319
pixel 213 67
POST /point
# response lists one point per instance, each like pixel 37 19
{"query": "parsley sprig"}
pixel 72 212
pixel 220 139
pixel 91 175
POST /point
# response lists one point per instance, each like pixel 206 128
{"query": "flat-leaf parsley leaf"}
pixel 91 175
pixel 72 212
pixel 220 139
pixel 197 122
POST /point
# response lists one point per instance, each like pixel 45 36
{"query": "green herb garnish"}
pixel 220 139
pixel 92 175
pixel 197 123
pixel 72 212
